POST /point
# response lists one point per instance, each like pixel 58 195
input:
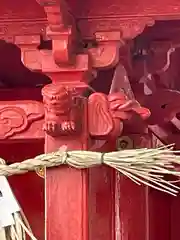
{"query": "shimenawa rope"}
pixel 143 166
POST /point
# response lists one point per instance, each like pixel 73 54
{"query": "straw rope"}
pixel 143 166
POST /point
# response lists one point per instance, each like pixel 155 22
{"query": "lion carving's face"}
pixel 57 99
pixel 53 93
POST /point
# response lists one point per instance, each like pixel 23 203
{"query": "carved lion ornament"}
pixel 107 113
pixel 59 109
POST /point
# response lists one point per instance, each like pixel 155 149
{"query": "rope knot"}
pixel 102 158
pixel 65 154
pixel 64 157
pixel 2 161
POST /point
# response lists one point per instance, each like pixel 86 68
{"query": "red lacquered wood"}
pixel 16 10
pixel 133 202
pixel 67 190
pixel 175 217
pixel 133 211
pixel 67 212
pixel 144 213
pixel 28 188
pixel 21 94
pixel 80 203
pixel 101 203
pixel 102 199
pixel 127 9
pixel 159 205
pixel 66 198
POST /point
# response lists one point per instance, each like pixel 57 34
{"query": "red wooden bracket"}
pixel 61 30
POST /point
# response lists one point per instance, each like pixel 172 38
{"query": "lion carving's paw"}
pixel 53 128
pixel 50 127
pixel 68 126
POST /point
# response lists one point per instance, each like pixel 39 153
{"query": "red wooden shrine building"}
pixel 65 69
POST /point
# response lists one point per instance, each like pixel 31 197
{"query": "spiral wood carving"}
pixel 16 117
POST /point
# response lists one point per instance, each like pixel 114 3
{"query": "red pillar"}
pixel 79 203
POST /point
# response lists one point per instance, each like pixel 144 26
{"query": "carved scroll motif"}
pixel 60 110
pixel 100 118
pixel 107 113
pixel 17 117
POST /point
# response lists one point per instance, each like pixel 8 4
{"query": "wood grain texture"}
pixel 66 204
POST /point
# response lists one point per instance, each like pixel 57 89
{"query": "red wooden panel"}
pixel 21 94
pixel 133 201
pixel 175 217
pixel 123 8
pixel 102 199
pixel 20 10
pixel 28 188
pixel 101 203
pixel 144 212
pixel 159 215
pixel 133 210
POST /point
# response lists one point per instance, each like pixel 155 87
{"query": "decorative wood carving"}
pixel 112 18
pixel 164 105
pixel 106 113
pixel 21 10
pixel 15 27
pixel 30 55
pixel 76 74
pixel 17 117
pixel 109 36
pixel 126 9
pixel 61 108
pixel 22 18
pixel 164 121
pixel 129 28
pixel 106 53
pixel 109 33
pixel 29 18
pixel 61 30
